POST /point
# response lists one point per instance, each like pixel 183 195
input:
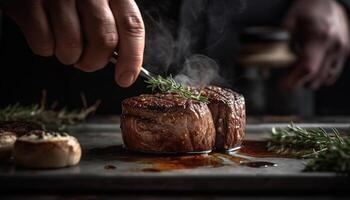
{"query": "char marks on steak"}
pixel 228 110
pixel 164 123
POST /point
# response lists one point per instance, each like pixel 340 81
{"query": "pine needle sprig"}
pixel 326 151
pixel 169 85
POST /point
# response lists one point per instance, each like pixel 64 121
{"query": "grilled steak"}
pixel 166 123
pixel 18 127
pixel 228 111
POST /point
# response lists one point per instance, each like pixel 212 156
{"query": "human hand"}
pixel 84 32
pixel 320 30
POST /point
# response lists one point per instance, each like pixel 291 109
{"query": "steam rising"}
pixel 160 45
pixel 167 52
pixel 163 51
pixel 199 71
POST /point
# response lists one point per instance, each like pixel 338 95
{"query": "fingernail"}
pixel 126 79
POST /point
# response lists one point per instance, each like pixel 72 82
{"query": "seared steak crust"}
pixel 166 123
pixel 228 110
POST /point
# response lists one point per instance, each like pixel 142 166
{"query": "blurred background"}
pixel 201 38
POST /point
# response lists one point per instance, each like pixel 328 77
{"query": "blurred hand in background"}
pixel 84 33
pixel 320 29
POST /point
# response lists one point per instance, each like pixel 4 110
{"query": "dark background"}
pixel 23 75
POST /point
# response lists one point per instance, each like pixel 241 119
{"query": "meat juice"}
pixel 164 162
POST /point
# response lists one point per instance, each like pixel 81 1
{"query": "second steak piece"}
pixel 166 123
pixel 228 110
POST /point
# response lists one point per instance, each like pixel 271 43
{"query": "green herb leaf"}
pixel 47 118
pixel 171 86
pixel 327 151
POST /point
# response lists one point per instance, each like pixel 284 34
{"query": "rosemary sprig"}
pixel 48 118
pixel 335 158
pixel 171 86
pixel 327 151
pixel 294 140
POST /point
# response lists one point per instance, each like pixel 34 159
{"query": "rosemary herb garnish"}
pixel 171 86
pixel 300 142
pixel 335 158
pixel 326 151
pixel 51 119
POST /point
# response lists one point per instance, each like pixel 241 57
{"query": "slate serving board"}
pixel 106 168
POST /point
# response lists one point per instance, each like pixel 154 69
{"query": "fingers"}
pixel 132 41
pixel 331 66
pixel 324 68
pixel 322 39
pixel 100 34
pixel 66 27
pixel 330 71
pixel 33 21
pixel 84 33
pixel 336 69
pixel 294 80
pixel 320 78
pixel 310 61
